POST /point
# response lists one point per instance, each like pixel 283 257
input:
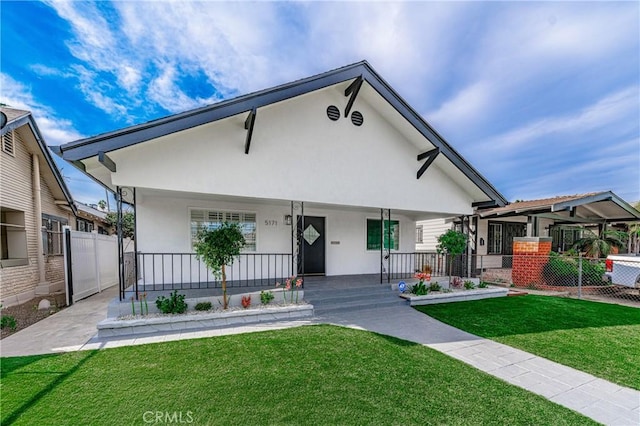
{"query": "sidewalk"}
pixel 67 330
pixel 73 329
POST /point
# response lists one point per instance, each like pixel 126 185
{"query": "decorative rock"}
pixel 44 304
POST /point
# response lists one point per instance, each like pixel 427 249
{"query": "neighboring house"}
pixel 34 205
pixel 92 219
pixel 562 218
pixel 330 172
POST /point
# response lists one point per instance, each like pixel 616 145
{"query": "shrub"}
pixel 8 321
pixel 203 306
pixel 174 304
pixel 420 289
pixel 266 297
pixel 483 284
pixel 435 287
pixel 562 270
pixel 469 285
pixel 456 282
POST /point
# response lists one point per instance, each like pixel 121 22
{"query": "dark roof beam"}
pixel 352 90
pixel 430 156
pixel 104 159
pixel 248 125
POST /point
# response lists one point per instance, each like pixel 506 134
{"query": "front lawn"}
pixel 307 375
pixel 598 338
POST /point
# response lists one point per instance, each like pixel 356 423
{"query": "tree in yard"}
pixel 128 222
pixel 452 243
pixel 599 245
pixel 218 248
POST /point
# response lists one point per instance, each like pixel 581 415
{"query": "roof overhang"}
pixel 28 121
pixel 85 151
pixel 596 208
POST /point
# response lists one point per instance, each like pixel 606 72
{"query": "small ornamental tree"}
pixel 217 248
pixel 452 243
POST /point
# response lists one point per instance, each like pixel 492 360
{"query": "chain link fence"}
pixel 573 276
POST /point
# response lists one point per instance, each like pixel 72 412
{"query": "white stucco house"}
pixel 311 169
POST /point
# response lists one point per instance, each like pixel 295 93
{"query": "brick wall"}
pixel 530 254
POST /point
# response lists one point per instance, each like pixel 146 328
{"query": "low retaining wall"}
pixel 113 327
pixel 120 309
pixel 455 296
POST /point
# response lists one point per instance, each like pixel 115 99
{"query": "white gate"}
pixel 91 263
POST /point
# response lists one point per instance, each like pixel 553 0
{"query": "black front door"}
pixel 311 244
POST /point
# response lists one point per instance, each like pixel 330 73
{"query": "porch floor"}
pixel 337 282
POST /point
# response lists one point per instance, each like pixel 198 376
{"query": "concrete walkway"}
pixel 603 401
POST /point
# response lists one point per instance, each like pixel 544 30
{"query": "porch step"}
pixel 351 299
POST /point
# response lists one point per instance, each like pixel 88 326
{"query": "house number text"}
pixel 269 222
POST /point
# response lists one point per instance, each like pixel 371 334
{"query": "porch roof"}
pixel 85 151
pixel 594 207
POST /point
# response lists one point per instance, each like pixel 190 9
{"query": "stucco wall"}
pixel 296 153
pixel 164 226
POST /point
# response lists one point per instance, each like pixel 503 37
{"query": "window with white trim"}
pixel 212 219
pixel 7 143
pixel 52 239
pixel 494 238
pixel 419 234
pixel 13 238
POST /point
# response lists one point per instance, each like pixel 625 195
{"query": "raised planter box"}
pixel 442 281
pixel 455 296
pixel 114 327
pixel 120 309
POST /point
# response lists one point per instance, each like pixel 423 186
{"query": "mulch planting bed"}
pixel 28 313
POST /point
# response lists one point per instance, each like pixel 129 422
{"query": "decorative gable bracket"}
pixel 430 156
pixel 248 125
pixel 352 90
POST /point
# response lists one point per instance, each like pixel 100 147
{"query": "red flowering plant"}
pixel 246 301
pixel 291 285
pixel 421 289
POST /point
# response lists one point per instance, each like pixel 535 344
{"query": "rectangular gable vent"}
pixel 7 143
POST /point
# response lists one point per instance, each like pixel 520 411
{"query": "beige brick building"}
pixel 34 206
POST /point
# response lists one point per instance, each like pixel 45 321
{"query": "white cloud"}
pixel 54 129
pixel 615 107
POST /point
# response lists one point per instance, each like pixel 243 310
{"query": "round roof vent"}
pixel 356 118
pixel 333 112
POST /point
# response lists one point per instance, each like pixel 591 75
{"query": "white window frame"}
pixel 491 239
pixel 419 234
pixel 227 216
pixel 14 235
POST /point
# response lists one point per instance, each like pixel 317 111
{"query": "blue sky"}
pixel 543 98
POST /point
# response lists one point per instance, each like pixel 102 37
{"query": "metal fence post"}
pixel 580 276
pixel 481 269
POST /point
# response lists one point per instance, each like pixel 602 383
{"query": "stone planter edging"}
pixel 455 296
pixel 112 327
pixel 120 309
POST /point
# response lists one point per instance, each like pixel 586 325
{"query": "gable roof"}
pixel 603 205
pixel 90 147
pixel 17 118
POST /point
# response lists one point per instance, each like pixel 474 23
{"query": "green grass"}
pixel 307 375
pixel 598 338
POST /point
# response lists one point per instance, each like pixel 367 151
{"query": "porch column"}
pixel 120 242
pixel 135 241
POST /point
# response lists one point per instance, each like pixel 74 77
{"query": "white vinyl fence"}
pixel 94 263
